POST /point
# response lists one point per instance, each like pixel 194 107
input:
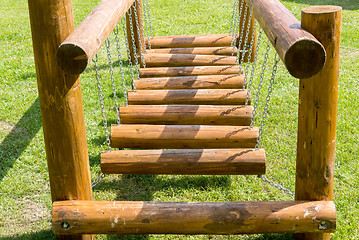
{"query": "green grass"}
pixel 25 203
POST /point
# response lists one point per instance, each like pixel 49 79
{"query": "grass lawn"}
pixel 25 203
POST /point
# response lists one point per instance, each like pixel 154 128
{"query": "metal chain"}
pixel 241 37
pixel 249 60
pixel 133 48
pixel 102 104
pixel 123 79
pixel 149 18
pixel 128 54
pixel 276 185
pixel 94 183
pixel 253 67
pixel 264 66
pixel 266 106
pixel 140 21
pixel 145 8
pixel 137 21
pixel 245 46
pixel 234 15
pixel 236 26
pixel 109 58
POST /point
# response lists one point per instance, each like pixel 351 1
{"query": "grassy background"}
pixel 25 203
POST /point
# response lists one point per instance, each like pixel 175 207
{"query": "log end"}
pixel 305 58
pixel 71 58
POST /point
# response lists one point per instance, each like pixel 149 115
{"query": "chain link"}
pixel 146 11
pixel 264 66
pixel 133 48
pixel 94 183
pixel 234 16
pixel 109 58
pixel 249 60
pixel 149 18
pixel 241 38
pixel 138 28
pixel 129 55
pixel 276 185
pixel 102 103
pixel 123 79
pixel 236 26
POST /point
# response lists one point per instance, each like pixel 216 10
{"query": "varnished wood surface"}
pixel 198 50
pixel 185 162
pixel 187 114
pixel 192 217
pixel 182 136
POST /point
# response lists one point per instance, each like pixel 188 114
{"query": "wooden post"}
pixel 317 114
pixel 61 104
pixel 245 45
pixel 137 27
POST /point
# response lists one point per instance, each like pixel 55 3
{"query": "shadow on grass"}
pixel 41 235
pixel 19 138
pixel 345 4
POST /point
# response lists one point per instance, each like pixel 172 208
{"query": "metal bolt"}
pixel 65 225
pixel 323 225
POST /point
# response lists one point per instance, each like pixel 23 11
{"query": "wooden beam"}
pixel 182 136
pixel 198 50
pixel 185 162
pixel 76 217
pixel 302 54
pixel 191 82
pixel 78 49
pixel 61 105
pixel 188 71
pixel 188 96
pixel 179 60
pixel 189 41
pixel 317 114
pixel 187 114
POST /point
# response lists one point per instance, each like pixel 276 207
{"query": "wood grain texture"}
pixel 302 54
pixel 61 105
pixel 185 162
pixel 78 49
pixel 192 217
pixel 317 114
pixel 188 96
pixel 182 136
pixel 185 41
pixel 198 50
pixel 178 60
pixel 191 82
pixel 187 114
pixel 188 71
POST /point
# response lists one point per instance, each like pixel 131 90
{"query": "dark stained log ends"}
pixel 185 162
pixel 302 54
pixel 91 217
pixel 78 49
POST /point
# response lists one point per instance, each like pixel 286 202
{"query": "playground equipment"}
pixel 194 71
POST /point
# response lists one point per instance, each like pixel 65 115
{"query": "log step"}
pixel 182 136
pixel 187 114
pixel 189 41
pixel 138 217
pixel 229 51
pixel 178 60
pixel 188 71
pixel 185 162
pixel 191 82
pixel 188 96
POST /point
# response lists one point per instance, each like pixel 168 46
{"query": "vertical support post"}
pixel 61 104
pixel 248 26
pixel 137 27
pixel 317 114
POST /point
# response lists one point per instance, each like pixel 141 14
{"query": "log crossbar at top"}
pixel 302 54
pixel 78 49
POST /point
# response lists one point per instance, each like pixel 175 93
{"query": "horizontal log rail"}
pixel 302 54
pixel 78 49
pixel 91 217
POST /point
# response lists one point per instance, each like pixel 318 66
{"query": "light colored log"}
pixel 188 41
pixel 302 54
pixel 182 136
pixel 188 71
pixel 191 82
pixel 78 49
pixel 192 217
pixel 317 114
pixel 187 114
pixel 61 105
pixel 188 96
pixel 199 50
pixel 185 162
pixel 178 60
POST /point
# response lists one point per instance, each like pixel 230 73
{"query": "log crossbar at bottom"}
pixel 137 217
